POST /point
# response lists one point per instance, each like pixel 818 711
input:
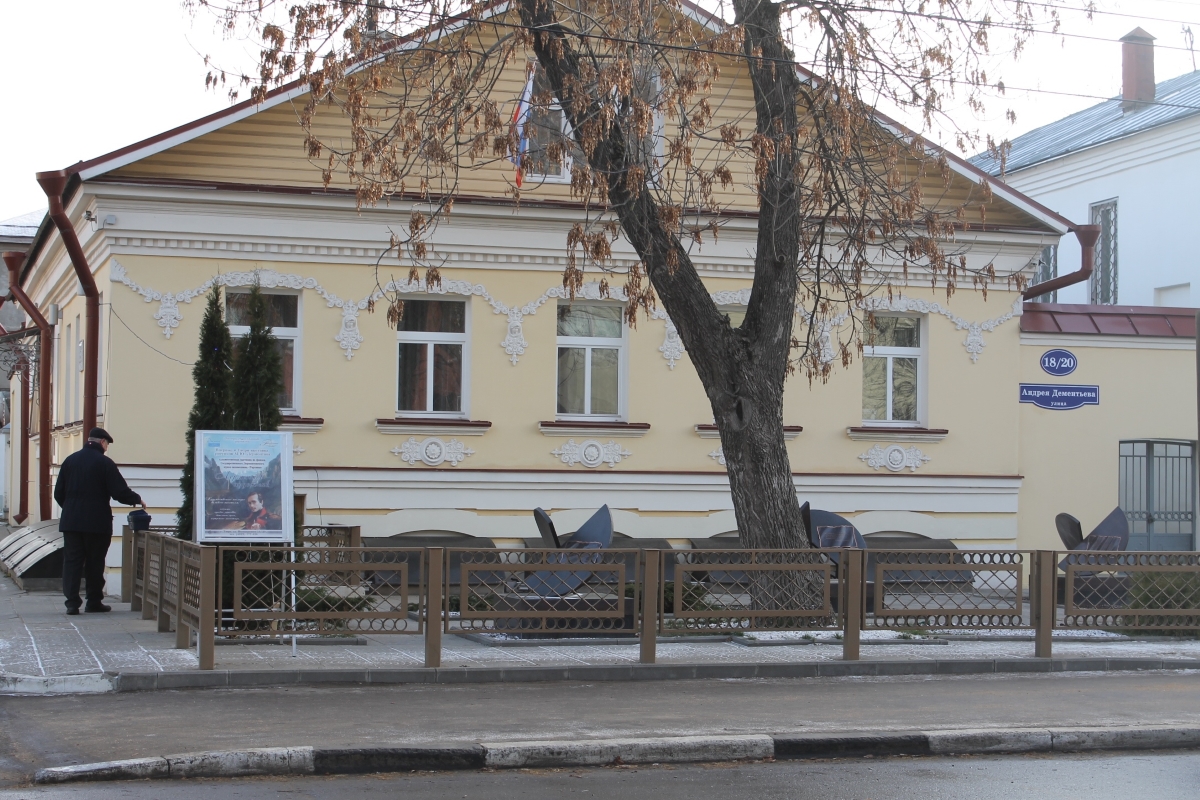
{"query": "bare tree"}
pixel 636 96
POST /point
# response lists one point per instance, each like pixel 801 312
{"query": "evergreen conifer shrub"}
pixel 211 408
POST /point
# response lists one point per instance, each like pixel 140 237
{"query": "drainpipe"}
pixel 53 184
pixel 1087 235
pixel 45 367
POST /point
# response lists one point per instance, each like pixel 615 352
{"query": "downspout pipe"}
pixel 53 184
pixel 1087 235
pixel 14 261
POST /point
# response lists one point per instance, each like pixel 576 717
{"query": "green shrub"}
pixel 1167 591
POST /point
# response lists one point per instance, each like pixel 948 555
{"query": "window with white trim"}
pixel 548 150
pixel 1103 283
pixel 283 316
pixel 591 360
pixel 893 371
pixel 431 359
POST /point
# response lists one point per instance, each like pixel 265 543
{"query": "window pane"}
pixel 736 316
pixel 411 396
pixel 236 311
pixel 874 388
pixel 545 145
pixel 897 332
pixel 447 377
pixel 287 353
pixel 904 389
pixel 604 381
pixel 571 365
pixel 434 316
pixel 283 310
pixel 602 321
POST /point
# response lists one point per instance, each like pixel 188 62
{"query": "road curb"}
pixel 298 761
pixel 203 679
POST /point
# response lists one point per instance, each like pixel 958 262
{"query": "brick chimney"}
pixel 1137 70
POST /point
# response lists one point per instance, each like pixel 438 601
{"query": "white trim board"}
pixel 1104 340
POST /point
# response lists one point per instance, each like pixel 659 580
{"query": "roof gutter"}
pixel 53 184
pixel 1087 235
pixel 14 260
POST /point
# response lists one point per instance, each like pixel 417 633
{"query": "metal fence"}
pixel 329 590
pixel 321 590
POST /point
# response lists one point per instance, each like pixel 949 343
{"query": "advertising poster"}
pixel 244 486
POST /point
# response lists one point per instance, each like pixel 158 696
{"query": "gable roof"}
pixel 1175 99
pixel 109 162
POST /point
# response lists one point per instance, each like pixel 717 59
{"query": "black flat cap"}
pixel 100 433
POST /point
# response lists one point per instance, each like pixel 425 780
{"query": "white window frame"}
pixel 589 343
pixel 294 334
pixel 658 136
pixel 564 174
pixel 921 353
pixel 430 339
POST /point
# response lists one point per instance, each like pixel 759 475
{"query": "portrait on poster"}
pixel 244 486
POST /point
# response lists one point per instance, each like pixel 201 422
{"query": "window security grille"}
pixel 1047 269
pixel 1103 283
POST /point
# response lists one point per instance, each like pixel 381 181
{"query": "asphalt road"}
pixel 1162 776
pixel 38 732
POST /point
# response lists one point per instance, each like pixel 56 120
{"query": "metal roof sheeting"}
pixel 1109 320
pixel 1175 99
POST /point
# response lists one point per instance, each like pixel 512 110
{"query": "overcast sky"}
pixel 83 77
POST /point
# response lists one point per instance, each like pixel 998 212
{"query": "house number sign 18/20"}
pixel 1059 362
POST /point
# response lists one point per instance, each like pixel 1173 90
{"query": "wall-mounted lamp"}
pixel 52 314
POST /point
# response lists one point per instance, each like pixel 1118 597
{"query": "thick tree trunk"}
pixel 742 370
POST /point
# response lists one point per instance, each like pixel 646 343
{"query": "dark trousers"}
pixel 83 557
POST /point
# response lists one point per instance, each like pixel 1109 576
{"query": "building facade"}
pixel 500 393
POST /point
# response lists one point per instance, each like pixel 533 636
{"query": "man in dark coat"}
pixel 86 481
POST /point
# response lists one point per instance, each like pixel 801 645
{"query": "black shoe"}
pixel 71 612
pixel 95 609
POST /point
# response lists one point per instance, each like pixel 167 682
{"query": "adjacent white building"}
pixel 1129 165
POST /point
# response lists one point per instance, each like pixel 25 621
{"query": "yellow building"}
pixel 501 395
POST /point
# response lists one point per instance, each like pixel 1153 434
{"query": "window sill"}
pixel 302 424
pixel 888 434
pixel 710 432
pixel 629 430
pixel 430 426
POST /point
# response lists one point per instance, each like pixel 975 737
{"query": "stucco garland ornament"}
pixel 591 453
pixel 432 451
pixel 895 458
pixel 718 455
pixel 349 337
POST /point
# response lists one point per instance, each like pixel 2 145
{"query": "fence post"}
pixel 434 603
pixel 127 560
pixel 135 598
pixel 182 637
pixel 851 598
pixel 206 635
pixel 1046 607
pixel 147 609
pixel 164 618
pixel 650 592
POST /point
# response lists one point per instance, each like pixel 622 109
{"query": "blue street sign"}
pixel 1059 397
pixel 1059 362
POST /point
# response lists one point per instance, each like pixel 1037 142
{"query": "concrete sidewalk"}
pixel 37 639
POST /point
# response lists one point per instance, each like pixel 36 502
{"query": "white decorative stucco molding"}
pixel 894 457
pixel 349 336
pixel 432 451
pixel 591 453
pixel 718 455
pixel 973 343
